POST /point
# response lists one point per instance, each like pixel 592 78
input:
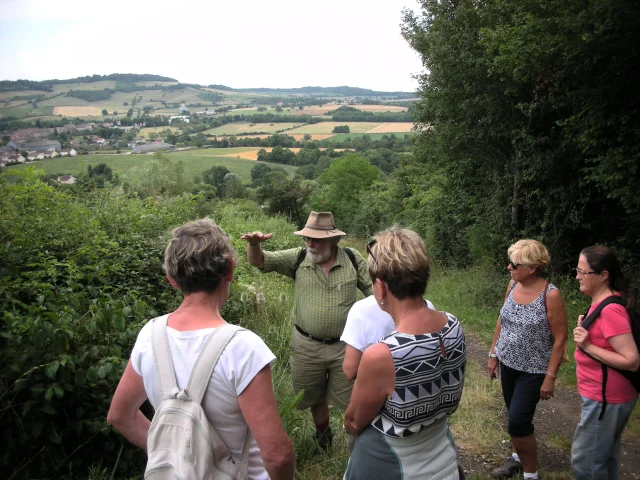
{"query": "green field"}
pixel 237 128
pixel 144 132
pixel 195 161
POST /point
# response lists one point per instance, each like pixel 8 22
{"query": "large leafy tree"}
pixel 529 111
pixel 340 186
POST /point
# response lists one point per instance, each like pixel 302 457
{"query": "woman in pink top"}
pixel 595 453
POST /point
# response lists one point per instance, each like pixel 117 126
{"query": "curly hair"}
pixel 198 256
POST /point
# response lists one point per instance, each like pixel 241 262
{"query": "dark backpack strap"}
pixel 352 257
pixel 301 257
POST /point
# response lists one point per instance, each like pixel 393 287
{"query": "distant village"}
pixel 33 144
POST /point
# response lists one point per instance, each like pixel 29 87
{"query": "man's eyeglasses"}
pixel 370 246
pixel 515 265
pixel 581 273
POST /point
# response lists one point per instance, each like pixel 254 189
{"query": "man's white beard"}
pixel 318 256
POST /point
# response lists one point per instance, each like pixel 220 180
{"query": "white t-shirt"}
pixel 368 324
pixel 242 359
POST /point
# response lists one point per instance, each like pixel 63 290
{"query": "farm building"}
pixel 40 146
pixel 153 147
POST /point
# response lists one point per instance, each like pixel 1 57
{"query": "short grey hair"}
pixel 198 256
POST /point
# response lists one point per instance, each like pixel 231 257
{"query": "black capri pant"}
pixel 521 392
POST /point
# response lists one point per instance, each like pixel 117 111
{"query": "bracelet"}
pixel 492 355
pixel 552 376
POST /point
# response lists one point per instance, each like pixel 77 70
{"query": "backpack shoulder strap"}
pixel 162 357
pixel 204 366
pixel 299 260
pixel 589 317
pixel 352 257
pixel 207 360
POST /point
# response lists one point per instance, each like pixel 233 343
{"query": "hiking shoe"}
pixel 508 469
pixel 323 441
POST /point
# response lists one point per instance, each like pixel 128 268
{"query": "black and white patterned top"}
pixel 428 384
pixel 525 340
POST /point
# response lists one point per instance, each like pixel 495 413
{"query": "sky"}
pixel 241 43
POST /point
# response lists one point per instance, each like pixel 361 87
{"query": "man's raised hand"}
pixel 256 237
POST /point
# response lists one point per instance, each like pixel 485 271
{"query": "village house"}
pixel 153 147
pixel 67 179
pixel 100 141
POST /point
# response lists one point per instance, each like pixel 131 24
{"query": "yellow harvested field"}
pixel 237 128
pixel 327 127
pixel 77 111
pixel 393 127
pixel 315 110
pixel 253 154
pixel 380 108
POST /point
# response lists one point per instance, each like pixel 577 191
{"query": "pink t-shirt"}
pixel 613 320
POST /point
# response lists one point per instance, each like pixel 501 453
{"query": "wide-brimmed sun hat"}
pixel 320 225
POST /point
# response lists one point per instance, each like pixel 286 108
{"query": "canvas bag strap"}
pixel 207 360
pixel 162 357
pixel 204 366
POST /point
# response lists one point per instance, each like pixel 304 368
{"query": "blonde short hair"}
pixel 531 253
pixel 399 258
pixel 198 256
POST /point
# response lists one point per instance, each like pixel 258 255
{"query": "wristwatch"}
pixel 492 355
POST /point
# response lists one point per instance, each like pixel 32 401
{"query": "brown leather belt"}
pixel 328 341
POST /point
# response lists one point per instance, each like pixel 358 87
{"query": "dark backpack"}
pixel 303 254
pixel 633 377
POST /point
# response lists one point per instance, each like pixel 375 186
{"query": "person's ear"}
pixel 382 289
pixel 604 276
pixel 173 283
pixel 232 266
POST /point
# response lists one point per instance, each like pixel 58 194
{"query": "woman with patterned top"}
pixel 528 347
pixel 411 381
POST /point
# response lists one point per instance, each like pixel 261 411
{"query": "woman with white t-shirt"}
pixel 199 261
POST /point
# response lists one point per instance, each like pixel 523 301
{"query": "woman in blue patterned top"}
pixel 411 381
pixel 528 342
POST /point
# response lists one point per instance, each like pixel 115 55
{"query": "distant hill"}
pixel 46 85
pixel 343 91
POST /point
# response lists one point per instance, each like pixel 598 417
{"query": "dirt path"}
pixel 555 423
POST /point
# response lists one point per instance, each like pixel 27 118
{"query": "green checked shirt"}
pixel 321 304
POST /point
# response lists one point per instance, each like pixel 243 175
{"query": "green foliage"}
pixel 214 176
pixel 341 128
pixel 79 277
pixel 159 176
pixel 531 109
pixel 258 172
pixel 286 195
pixel 340 187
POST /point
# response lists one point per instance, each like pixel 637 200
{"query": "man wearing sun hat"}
pixel 326 284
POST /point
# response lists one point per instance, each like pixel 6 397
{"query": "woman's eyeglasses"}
pixel 515 265
pixel 581 273
pixel 370 246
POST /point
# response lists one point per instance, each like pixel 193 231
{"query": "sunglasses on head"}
pixel 370 246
